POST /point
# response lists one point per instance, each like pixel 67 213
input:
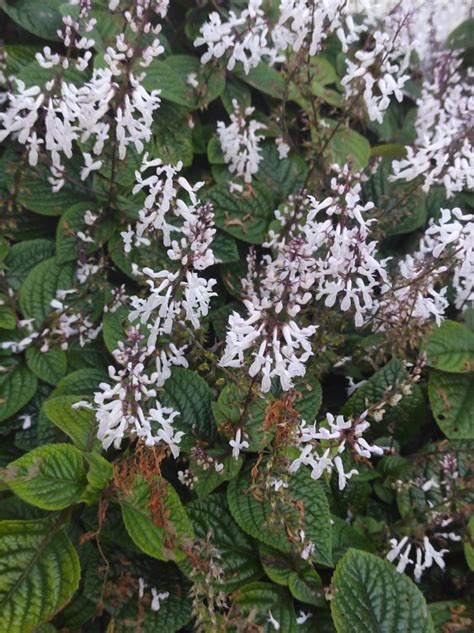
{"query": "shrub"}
pixel 236 322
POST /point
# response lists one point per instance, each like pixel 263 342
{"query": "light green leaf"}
pixel 79 424
pixel 17 387
pixel 49 366
pixel 450 347
pixel 236 408
pixel 347 145
pixel 39 572
pixel 51 477
pixel 370 596
pixel 452 402
pixel 306 586
pixel 265 79
pixel 156 519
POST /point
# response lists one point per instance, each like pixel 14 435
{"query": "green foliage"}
pixel 40 573
pixel 452 402
pixel 371 596
pixel 156 519
pixel 51 477
pixel 233 540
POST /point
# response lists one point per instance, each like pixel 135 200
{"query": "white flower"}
pixel 271 620
pixel 240 142
pixel 237 445
pixel 157 598
pixel 90 165
pixel 282 148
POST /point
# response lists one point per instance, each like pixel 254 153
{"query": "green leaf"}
pixel 68 245
pixel 82 382
pixel 211 79
pixel 244 215
pixel 214 152
pixel 79 424
pixel 99 475
pixel 186 392
pixel 451 348
pixel 236 89
pixel 235 407
pixel 402 415
pixel 344 536
pixel 43 23
pixel 277 566
pixel 309 399
pixel 173 140
pixel 39 572
pixel 265 598
pixel 208 479
pixel 306 586
pixel 239 559
pixel 347 145
pixel 33 189
pixel 452 402
pixel 265 79
pixel 41 285
pixel 49 366
pixel 24 256
pixel 370 596
pixel 17 387
pixel 469 544
pixel 462 36
pixel 269 518
pixel 224 248
pixel 7 315
pixel 51 477
pixel 283 177
pixel 156 519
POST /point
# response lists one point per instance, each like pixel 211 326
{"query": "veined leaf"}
pixel 156 519
pixel 370 596
pixel 51 477
pixel 39 572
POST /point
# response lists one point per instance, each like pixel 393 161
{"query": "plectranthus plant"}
pixel 236 316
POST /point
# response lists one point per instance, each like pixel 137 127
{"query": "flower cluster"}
pixel 443 152
pixel 128 407
pixel 321 448
pixel 240 142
